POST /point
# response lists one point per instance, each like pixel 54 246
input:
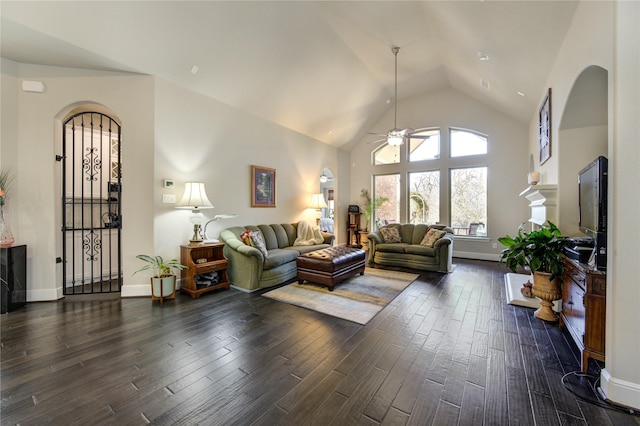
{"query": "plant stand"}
pixel 163 287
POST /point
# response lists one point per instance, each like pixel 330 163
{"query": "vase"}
pixel 6 237
pixel 547 291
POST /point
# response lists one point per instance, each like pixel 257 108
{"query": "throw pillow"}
pixel 257 241
pixel 391 235
pixel 245 237
pixel 431 237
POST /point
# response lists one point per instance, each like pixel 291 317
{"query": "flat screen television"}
pixel 592 197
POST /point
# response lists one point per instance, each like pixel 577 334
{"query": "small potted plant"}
pixel 163 281
pixel 540 251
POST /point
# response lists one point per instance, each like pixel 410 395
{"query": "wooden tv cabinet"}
pixel 584 292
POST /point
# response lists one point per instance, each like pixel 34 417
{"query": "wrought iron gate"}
pixel 91 204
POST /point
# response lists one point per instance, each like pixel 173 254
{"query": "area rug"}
pixel 356 299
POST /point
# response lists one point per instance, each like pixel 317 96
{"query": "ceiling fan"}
pixel 395 136
pixel 324 178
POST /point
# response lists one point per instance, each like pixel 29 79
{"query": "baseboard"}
pixel 619 392
pixel 477 256
pixel 135 290
pixel 44 295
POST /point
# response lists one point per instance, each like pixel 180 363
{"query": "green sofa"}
pixel 249 270
pixel 409 253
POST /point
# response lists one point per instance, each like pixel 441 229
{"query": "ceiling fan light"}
pixel 395 140
pixel 323 178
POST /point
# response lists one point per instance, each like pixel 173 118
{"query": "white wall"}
pixel 167 132
pixel 621 377
pixel 33 122
pixel 507 161
pixel 198 138
pixel 578 147
pixel 606 34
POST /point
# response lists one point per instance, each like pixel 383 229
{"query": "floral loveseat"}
pixel 401 246
pixel 250 270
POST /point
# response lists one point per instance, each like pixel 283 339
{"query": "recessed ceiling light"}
pixel 484 83
pixel 483 56
pixel 194 70
pixel 520 93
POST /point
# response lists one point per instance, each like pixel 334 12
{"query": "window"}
pixel 469 201
pixel 464 142
pixel 424 145
pixel 387 198
pixel 449 189
pixel 424 197
pixel 386 154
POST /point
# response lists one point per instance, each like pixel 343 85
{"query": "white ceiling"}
pixel 321 68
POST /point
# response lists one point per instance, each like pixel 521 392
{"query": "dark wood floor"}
pixel 447 351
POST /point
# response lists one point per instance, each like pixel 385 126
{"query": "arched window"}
pixel 465 142
pixel 424 145
pixel 424 187
pixel 386 154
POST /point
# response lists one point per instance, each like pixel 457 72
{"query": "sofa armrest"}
pixel 374 239
pixel 445 240
pixel 328 237
pixel 244 249
pixel 444 252
pixel 245 262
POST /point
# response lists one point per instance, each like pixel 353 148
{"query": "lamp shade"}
pixel 194 198
pixel 317 202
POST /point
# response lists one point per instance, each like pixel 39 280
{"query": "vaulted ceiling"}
pixel 321 68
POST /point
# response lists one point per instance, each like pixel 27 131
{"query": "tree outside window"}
pixel 387 187
pixel 469 201
pixel 424 197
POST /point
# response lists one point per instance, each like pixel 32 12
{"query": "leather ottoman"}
pixel 330 266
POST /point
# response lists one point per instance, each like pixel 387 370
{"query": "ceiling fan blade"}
pixel 377 141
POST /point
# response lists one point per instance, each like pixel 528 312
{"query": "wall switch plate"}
pixel 168 198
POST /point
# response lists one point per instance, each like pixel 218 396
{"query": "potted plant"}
pixel 540 251
pixel 163 281
pixel 370 206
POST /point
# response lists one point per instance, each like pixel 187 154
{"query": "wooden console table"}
pixel 584 293
pixel 203 259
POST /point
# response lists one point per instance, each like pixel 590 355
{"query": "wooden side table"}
pixel 200 261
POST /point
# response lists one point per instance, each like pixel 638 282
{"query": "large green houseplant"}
pixel 163 281
pixel 540 251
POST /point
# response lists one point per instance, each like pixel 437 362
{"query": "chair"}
pixel 473 228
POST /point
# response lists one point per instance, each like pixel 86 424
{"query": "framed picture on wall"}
pixel 263 187
pixel 545 128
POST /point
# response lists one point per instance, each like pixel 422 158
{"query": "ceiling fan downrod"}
pixel 395 51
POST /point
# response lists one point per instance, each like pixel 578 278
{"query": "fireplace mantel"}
pixel 543 202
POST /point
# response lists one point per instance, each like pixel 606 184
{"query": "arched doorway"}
pixel 91 203
pixel 582 137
